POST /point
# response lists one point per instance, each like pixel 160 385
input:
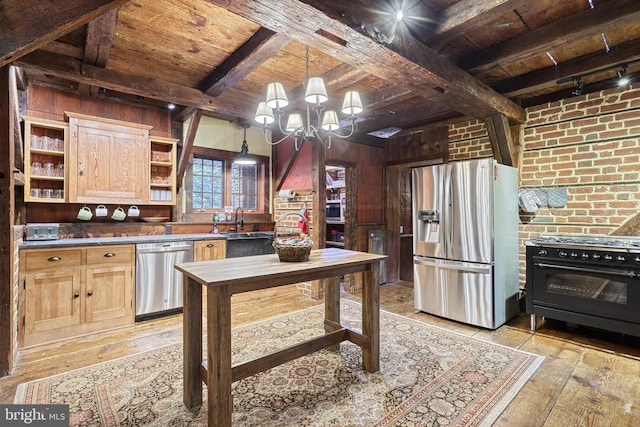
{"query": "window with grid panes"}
pixel 207 184
pixel 244 186
pixel 215 182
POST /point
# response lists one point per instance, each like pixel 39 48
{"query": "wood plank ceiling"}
pixel 446 60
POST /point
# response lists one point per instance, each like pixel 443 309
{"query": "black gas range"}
pixel 591 280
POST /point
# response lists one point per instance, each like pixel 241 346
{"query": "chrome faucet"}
pixel 236 222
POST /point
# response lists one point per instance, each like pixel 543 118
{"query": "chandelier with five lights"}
pixel 324 123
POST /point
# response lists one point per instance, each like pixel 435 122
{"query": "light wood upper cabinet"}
pixel 163 171
pixel 44 160
pixel 108 161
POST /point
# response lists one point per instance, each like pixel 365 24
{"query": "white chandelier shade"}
pixel 276 96
pixel 324 124
pixel 316 92
pixel 264 114
pixel 352 104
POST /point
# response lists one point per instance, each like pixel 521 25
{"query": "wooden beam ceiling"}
pixel 75 70
pixel 466 15
pixel 612 15
pixel 39 23
pixel 99 38
pixel 548 77
pixel 426 73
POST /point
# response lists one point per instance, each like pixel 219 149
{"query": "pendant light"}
pixel 244 158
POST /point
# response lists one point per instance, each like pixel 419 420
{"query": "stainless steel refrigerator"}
pixel 465 241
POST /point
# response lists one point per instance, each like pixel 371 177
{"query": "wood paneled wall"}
pixel 418 148
pixel 48 103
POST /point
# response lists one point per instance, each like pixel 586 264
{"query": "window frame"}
pixel 227 157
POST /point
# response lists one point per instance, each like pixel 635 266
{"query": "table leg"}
pixel 332 306
pixel 371 320
pixel 219 400
pixel 192 342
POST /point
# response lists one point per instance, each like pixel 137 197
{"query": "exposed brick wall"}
pixel 280 206
pixel 590 145
pixel 469 140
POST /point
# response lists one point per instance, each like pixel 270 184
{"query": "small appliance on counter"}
pixel 43 232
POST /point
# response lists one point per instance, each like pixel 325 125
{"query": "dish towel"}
pixel 302 225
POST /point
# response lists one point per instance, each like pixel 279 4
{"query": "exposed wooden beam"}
pixel 7 197
pixel 548 77
pixel 465 15
pixel 408 63
pixel 263 45
pixel 187 146
pixel 39 23
pixel 72 69
pixel 593 22
pixel 501 142
pixel 100 34
pixel 386 96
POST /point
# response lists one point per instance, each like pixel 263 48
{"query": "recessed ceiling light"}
pixel 399 15
pixel 171 106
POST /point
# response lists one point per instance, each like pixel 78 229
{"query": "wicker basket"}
pixel 291 249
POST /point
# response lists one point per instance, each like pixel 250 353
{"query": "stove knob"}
pixel 595 256
pixel 543 252
pixel 574 254
pixel 621 258
pixel 563 254
pixel 585 255
pixel 608 257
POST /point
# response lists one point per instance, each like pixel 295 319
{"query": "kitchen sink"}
pixel 250 243
pixel 250 235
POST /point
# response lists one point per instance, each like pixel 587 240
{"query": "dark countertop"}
pixel 91 241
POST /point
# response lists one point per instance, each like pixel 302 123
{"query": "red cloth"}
pixel 302 225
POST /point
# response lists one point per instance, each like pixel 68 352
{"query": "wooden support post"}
pixel 502 144
pixel 6 221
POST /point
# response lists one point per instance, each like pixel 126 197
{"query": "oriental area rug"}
pixel 429 376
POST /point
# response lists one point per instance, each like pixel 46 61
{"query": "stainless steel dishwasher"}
pixel 158 284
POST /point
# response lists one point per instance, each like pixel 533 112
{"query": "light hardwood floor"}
pixel 588 377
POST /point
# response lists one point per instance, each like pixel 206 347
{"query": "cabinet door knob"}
pixel 89 293
pixel 109 254
pixel 210 245
pixel 54 259
pixel 76 295
pixel 81 172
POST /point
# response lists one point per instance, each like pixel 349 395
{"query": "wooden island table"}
pixel 226 277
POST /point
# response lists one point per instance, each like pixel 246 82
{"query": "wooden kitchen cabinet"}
pixel 72 291
pixel 204 250
pixel 45 144
pixel 107 161
pixel 162 171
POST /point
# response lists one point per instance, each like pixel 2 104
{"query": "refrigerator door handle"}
pixel 454 265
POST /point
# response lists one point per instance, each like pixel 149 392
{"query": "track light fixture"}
pixel 579 88
pixel 623 77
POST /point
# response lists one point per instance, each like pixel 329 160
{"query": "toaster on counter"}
pixel 43 232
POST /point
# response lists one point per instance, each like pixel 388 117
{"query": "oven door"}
pixel 600 291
